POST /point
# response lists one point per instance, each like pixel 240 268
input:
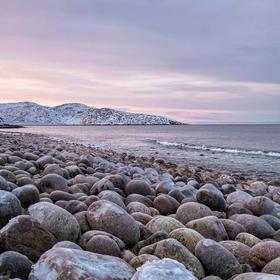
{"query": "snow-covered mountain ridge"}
pixel 28 113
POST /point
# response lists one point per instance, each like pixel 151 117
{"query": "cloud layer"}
pixel 196 61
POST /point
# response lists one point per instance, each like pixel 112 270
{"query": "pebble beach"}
pixel 70 211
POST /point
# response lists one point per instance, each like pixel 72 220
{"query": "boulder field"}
pixel 71 212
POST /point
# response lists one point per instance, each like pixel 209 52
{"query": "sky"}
pixel 199 61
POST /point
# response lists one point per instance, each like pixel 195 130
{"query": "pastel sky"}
pixel 199 61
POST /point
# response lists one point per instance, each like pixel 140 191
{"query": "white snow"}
pixel 28 113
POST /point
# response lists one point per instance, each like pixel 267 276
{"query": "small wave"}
pixel 218 149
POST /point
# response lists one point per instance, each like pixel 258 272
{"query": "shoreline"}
pixel 161 164
pixel 166 161
pixel 238 157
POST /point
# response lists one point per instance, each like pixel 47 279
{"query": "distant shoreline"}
pixel 5 126
pixel 86 125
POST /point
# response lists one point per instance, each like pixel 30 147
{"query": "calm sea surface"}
pixel 246 149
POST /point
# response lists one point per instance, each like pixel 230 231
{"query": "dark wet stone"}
pixel 15 264
pixel 27 195
pixel 212 197
pixel 9 207
pixel 53 182
pixel 216 259
pixel 272 220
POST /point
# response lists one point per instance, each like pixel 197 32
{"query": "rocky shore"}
pixel 68 212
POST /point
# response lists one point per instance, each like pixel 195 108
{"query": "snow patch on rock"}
pixel 162 270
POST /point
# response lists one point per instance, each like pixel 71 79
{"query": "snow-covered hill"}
pixel 28 113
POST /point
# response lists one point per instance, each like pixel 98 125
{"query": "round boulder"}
pixel 52 182
pixel 112 196
pixel 135 206
pixel 264 252
pixel 191 211
pixel 254 225
pixel 9 207
pixel 166 204
pixel 163 223
pixel 232 228
pixel 139 198
pixel 58 221
pixel 26 236
pixel 212 197
pixel 247 239
pixel 238 197
pixel 75 206
pixel 141 217
pixel 216 259
pixel 186 236
pixel 238 249
pixel 171 248
pixel 72 264
pixel 109 217
pixel 273 267
pixel 27 195
pixel 139 187
pixel 15 265
pixel 42 161
pixel 53 169
pixel 210 227
pixel 61 195
pixel 102 244
pixel 256 188
pixel 261 205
